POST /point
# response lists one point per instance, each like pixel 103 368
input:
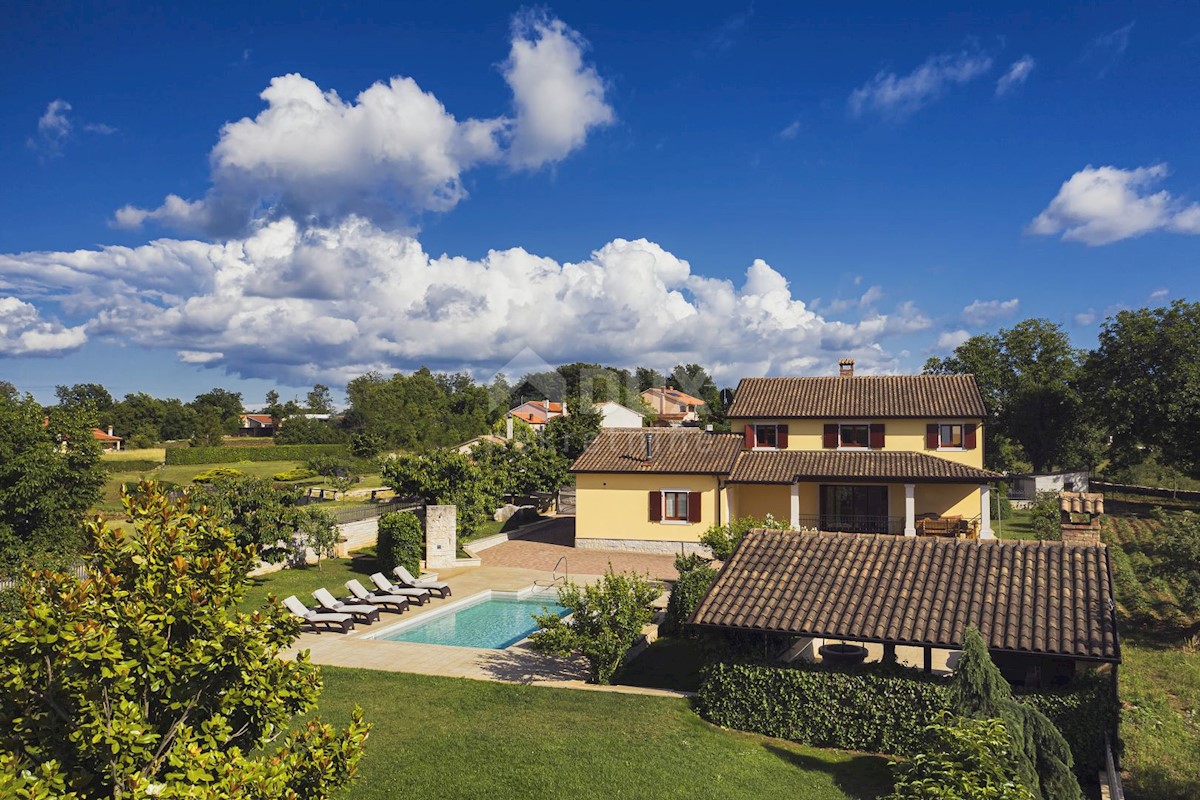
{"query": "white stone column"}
pixel 441 536
pixel 985 512
pixel 910 509
pixel 795 510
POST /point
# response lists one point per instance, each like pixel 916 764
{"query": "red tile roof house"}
pixel 672 406
pixel 256 425
pixel 107 440
pixel 537 412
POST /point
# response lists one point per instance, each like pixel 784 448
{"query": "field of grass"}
pixel 182 474
pixel 1017 526
pixel 332 573
pixel 145 454
pixel 458 738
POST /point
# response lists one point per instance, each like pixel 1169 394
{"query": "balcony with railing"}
pixel 945 527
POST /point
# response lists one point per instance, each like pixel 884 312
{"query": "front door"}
pixel 855 509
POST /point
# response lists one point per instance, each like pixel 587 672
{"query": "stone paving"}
pixel 541 548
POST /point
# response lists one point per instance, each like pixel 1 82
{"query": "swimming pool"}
pixel 491 620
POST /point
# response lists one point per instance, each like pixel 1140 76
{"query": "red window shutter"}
pixel 781 436
pixel 969 437
pixel 877 436
pixel 750 437
pixel 932 437
pixel 656 506
pixel 693 506
pixel 831 436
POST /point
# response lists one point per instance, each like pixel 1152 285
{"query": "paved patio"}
pixel 541 548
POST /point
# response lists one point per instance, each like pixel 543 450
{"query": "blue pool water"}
pixel 494 623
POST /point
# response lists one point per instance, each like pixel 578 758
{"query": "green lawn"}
pixel 671 662
pixel 1017 526
pixel 457 738
pixel 1160 720
pixel 332 574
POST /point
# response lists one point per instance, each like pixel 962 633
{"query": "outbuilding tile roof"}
pixel 1033 597
pixel 785 466
pixel 681 450
pixel 860 397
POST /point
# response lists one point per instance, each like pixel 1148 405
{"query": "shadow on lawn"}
pixel 862 776
pixel 525 666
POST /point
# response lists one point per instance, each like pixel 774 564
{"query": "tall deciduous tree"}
pixel 1028 376
pixel 320 400
pixel 49 477
pixel 1144 382
pixel 571 433
pixel 81 395
pixel 227 404
pixel 144 679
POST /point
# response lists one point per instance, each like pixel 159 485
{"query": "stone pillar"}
pixel 441 538
pixel 985 512
pixel 910 509
pixel 795 506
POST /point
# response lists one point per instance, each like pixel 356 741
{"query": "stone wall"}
pixel 643 546
pixel 441 539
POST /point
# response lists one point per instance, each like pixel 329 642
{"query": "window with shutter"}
pixel 830 440
pixel 693 507
pixel 656 506
pixel 877 436
pixel 675 506
pixel 969 437
pixel 781 437
pixel 749 437
pixel 931 437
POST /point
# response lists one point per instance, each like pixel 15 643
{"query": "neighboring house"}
pixel 256 425
pixel 673 407
pixel 108 441
pixel 887 454
pixel 1024 488
pixel 537 413
pixel 615 415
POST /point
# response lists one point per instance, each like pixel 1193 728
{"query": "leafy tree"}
pixel 1144 382
pixel 8 390
pixel 85 395
pixel 1043 762
pixel 366 445
pixel 50 476
pixel 227 404
pixel 302 430
pixel 209 430
pixel 696 577
pixel 607 617
pixel 138 415
pixel 320 400
pixel 571 433
pixel 144 679
pixel 419 411
pixel 444 477
pixel 318 532
pixel 724 539
pixel 649 378
pixel 401 542
pixel 259 514
pixel 1028 376
pixel 178 420
pixel 1046 517
pixel 695 380
pixel 967 759
pixel 1177 553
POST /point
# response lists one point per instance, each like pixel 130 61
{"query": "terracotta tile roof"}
pixel 530 418
pixel 784 466
pixel 261 419
pixel 680 450
pixel 868 396
pixel 102 436
pixel 675 396
pixel 1036 597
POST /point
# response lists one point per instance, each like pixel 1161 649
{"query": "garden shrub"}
pixel 724 539
pixel 1046 517
pixel 297 474
pixel 696 576
pixel 231 455
pixel 966 759
pixel 401 542
pixel 880 709
pixel 130 465
pixel 218 473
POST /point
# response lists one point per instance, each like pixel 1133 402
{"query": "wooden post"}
pixel 928 659
pixel 889 653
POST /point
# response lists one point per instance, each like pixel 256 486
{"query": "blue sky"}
pixel 760 188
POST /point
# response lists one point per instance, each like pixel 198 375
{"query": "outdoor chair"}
pixel 424 582
pixel 365 613
pixel 420 596
pixel 387 602
pixel 313 619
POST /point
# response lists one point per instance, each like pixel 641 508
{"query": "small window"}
pixel 675 505
pixel 950 436
pixel 766 436
pixel 855 435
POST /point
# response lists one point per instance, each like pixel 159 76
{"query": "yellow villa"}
pixel 898 455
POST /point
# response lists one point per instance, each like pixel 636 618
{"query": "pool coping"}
pixel 454 606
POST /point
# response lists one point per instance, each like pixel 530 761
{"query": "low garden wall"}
pixel 881 710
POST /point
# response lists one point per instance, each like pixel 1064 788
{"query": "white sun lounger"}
pixel 366 613
pixel 420 596
pixel 406 579
pixel 389 602
pixel 313 618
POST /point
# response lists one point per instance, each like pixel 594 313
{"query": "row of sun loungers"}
pixel 364 605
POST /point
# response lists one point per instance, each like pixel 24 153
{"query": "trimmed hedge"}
pixel 130 465
pixel 401 541
pixel 231 455
pixel 880 710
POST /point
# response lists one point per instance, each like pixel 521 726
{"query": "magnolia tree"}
pixel 606 618
pixel 143 678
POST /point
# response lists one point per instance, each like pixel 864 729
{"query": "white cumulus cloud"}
pixel 23 332
pixel 896 97
pixel 392 152
pixel 1017 74
pixel 982 312
pixel 298 304
pixel 1101 205
pixel 950 340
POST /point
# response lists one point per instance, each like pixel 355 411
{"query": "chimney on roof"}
pixel 846 368
pixel 110 433
pixel 649 447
